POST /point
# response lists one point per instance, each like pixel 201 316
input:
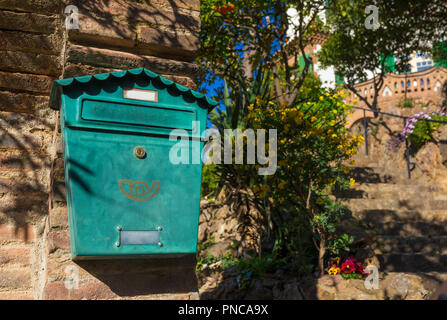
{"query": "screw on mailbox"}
pixel 139 152
pixel 160 244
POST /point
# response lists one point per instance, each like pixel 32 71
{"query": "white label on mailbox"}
pixel 140 94
pixel 139 237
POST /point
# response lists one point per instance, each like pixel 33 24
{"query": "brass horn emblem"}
pixel 139 190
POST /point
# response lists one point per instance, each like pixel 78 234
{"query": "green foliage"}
pixel 239 37
pixel 268 85
pixel 201 246
pixel 352 275
pixel 340 244
pixel 439 53
pixel 210 180
pixel 423 130
pixel 255 268
pixel 313 144
pixel 354 50
pixel 406 103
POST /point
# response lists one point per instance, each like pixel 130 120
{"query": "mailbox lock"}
pixel 139 152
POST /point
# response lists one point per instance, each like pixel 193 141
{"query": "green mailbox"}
pixel 126 196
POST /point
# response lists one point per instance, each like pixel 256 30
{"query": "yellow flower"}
pixel 336 260
pixel 313 119
pixel 250 107
pixel 334 111
pixel 351 182
pixel 334 270
pixel 346 170
pixel 321 98
pixel 282 185
pixel 334 136
pixel 355 101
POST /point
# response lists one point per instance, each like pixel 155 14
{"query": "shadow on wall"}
pixel 140 26
pixel 25 166
pixel 140 277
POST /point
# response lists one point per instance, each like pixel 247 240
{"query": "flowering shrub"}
pixel 313 146
pixel 418 131
pixel 349 268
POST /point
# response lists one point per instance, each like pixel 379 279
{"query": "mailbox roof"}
pixel 56 89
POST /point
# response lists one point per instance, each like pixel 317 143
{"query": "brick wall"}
pixel 424 87
pixel 35 49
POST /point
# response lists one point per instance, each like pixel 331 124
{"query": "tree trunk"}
pixel 322 252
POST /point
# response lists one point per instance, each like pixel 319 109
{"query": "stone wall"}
pixel 423 87
pixel 36 49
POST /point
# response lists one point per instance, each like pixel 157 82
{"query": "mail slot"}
pixel 125 196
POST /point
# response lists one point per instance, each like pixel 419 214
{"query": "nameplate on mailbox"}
pixel 140 94
pixel 139 237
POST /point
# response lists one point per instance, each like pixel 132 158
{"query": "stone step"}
pixel 403 215
pixel 423 245
pixel 363 160
pixel 370 174
pixel 411 262
pixel 391 191
pixel 415 203
pixel 411 229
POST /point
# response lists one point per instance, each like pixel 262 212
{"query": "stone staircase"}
pixel 409 218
